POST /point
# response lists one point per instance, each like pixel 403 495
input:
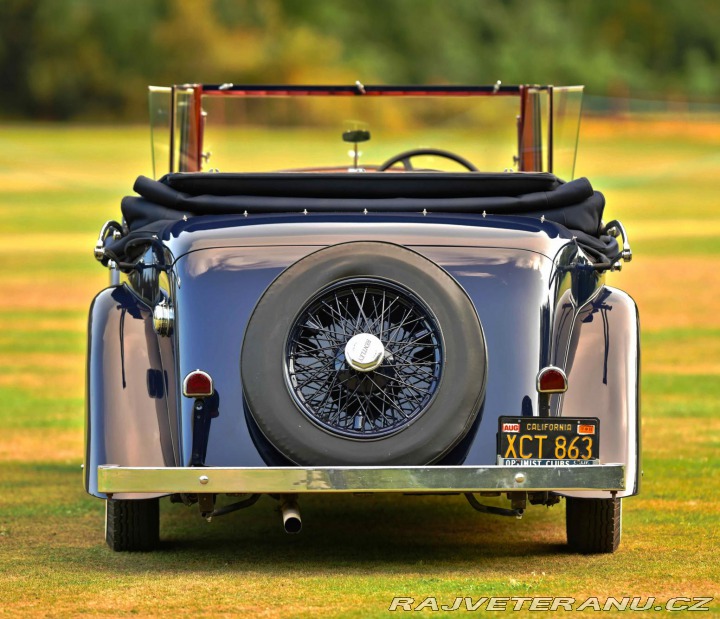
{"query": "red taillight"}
pixel 198 384
pixel 552 380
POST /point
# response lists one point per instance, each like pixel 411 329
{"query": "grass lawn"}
pixel 355 553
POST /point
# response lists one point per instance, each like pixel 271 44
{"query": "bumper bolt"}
pixel 519 477
pixel 203 479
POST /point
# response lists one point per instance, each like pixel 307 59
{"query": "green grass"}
pixel 31 212
pixel 24 408
pixel 674 245
pixel 355 553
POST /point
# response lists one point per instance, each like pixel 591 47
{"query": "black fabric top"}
pixel 574 205
pixel 359 185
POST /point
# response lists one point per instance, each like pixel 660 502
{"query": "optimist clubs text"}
pixel 550 604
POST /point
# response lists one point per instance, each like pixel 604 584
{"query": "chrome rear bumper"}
pixel 169 480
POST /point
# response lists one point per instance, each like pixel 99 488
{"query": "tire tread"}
pixel 132 525
pixel 594 526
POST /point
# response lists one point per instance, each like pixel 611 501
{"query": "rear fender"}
pixel 127 413
pixel 602 362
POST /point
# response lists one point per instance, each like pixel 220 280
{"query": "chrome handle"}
pixel 614 228
pixel 108 227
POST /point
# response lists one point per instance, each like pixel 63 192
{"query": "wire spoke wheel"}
pixel 364 358
pixel 363 354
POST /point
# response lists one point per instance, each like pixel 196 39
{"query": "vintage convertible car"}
pixel 377 316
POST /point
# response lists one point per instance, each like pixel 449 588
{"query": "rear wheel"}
pixel 593 526
pixel 132 525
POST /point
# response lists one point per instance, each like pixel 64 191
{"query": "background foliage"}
pixel 63 59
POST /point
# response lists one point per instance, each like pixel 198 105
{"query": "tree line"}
pixel 92 59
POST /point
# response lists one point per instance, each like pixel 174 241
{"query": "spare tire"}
pixel 364 353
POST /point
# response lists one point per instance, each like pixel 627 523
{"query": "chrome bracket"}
pixel 109 227
pixel 206 503
pixel 163 318
pixel 614 228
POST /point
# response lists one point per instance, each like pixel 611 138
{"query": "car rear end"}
pixel 363 327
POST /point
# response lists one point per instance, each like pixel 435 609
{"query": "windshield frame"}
pixel 184 120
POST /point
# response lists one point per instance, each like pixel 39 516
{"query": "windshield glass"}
pixel 160 102
pixel 567 106
pixel 280 133
pixel 231 131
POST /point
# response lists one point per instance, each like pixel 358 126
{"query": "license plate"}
pixel 539 441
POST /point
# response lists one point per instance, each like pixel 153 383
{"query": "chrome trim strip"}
pixel 114 479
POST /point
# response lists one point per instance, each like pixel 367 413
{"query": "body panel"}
pixel 407 229
pixel 602 361
pixel 221 286
pixel 522 275
pixel 128 420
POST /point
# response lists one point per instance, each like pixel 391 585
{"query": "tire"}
pixel 594 526
pixel 444 412
pixel 132 525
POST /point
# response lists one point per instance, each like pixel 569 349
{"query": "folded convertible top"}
pixel 574 205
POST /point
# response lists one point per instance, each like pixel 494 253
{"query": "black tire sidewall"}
pixel 423 441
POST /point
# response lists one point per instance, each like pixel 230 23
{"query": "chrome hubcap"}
pixel 364 352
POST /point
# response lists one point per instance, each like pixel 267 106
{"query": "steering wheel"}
pixel 405 157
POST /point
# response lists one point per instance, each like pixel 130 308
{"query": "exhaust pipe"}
pixel 290 514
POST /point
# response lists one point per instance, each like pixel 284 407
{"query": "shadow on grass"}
pixel 346 534
pixel 53 525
